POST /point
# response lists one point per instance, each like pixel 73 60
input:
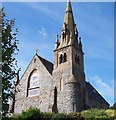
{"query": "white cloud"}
pixel 42 32
pixel 104 88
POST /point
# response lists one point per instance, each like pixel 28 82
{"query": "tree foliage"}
pixel 9 50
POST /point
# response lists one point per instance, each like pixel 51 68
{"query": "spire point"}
pixel 69 32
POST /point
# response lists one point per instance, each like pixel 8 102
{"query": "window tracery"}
pixel 33 84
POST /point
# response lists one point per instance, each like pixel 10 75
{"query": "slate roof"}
pixel 47 64
pixel 93 94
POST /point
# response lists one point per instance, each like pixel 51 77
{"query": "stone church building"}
pixel 58 87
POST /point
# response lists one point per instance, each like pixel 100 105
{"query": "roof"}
pixel 47 64
pixel 93 93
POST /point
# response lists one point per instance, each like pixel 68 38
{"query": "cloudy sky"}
pixel 39 23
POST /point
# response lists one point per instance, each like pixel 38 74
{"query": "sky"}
pixel 38 24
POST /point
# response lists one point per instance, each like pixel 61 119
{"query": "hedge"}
pixel 91 114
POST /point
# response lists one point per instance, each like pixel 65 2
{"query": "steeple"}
pixel 69 28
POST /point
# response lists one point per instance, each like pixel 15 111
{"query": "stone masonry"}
pixel 58 87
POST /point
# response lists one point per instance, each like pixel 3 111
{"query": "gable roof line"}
pixel 27 66
pixel 103 100
pixel 41 61
pixel 48 65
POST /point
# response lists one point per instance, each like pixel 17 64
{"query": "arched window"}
pixel 33 84
pixel 60 59
pixel 77 59
pixel 61 84
pixel 65 57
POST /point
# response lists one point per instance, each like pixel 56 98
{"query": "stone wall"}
pixel 73 97
pixel 57 76
pixel 42 101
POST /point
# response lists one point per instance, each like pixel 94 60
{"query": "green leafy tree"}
pixel 9 49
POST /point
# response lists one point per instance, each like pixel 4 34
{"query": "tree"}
pixel 9 63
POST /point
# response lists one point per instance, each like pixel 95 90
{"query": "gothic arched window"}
pixel 33 84
pixel 65 57
pixel 77 59
pixel 60 59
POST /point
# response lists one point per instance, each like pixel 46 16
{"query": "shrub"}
pixel 11 117
pixel 59 116
pixel 96 114
pixel 8 118
pixel 47 115
pixel 30 114
pixel 102 117
pixel 111 113
pixel 75 115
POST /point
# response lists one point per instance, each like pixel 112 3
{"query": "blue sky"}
pixel 39 23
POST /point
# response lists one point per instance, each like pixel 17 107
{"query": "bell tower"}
pixel 68 72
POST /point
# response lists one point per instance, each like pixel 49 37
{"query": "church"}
pixel 60 86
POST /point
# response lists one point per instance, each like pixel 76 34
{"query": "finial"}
pixel 76 31
pixel 57 39
pixel 57 42
pixel 36 50
pixel 80 43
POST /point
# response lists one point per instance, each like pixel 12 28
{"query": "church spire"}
pixel 68 18
pixel 69 27
pixel 68 8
